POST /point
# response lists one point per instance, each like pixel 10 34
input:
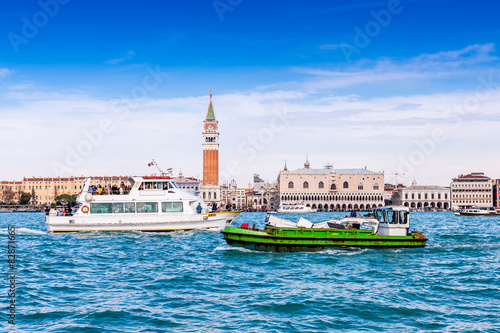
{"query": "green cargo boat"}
pixel 385 227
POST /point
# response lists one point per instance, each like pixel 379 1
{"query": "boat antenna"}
pixel 169 170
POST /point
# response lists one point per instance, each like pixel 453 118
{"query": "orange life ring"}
pixel 85 209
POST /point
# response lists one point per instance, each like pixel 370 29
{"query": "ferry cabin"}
pixel 149 195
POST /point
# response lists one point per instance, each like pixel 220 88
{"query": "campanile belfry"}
pixel 210 147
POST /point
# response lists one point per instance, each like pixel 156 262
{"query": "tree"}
pixel 25 198
pixel 33 197
pixel 8 195
pixel 66 199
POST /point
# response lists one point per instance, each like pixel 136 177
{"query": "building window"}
pixel 419 196
pixel 346 185
pixel 321 185
pixel 439 195
pixel 305 185
pixel 413 196
pixel 406 195
pixel 426 195
pixel 360 186
pixel 290 185
pixel 215 195
pixel 375 187
pixel 333 187
pixel 204 195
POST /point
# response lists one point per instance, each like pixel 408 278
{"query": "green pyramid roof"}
pixel 210 111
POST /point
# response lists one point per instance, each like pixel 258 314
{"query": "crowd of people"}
pixel 110 189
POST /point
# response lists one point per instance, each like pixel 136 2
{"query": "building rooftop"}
pixel 306 171
pixel 473 175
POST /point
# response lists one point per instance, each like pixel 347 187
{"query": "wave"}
pixel 234 248
pixel 25 231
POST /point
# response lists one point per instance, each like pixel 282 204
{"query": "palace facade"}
pixel 332 189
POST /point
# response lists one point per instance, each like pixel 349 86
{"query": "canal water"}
pixel 193 282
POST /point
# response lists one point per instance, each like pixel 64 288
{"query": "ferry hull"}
pixel 59 224
pixel 475 214
pixel 310 240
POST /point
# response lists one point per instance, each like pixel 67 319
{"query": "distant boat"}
pixel 478 212
pixel 296 208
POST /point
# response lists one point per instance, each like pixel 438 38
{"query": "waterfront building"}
pixel 231 194
pixel 210 189
pixel 189 184
pixel 10 191
pixel 332 189
pixel 496 193
pixel 264 195
pixel 44 191
pixel 423 197
pixel 472 190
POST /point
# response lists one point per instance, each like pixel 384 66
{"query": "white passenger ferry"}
pixel 478 212
pixel 153 204
pixel 296 208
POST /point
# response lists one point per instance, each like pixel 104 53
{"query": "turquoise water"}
pixel 192 281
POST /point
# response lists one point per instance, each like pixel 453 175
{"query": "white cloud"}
pixel 5 72
pixel 130 55
pixel 259 129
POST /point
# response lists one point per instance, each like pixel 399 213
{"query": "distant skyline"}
pixel 92 88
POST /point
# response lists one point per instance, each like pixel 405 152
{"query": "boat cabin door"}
pixel 393 222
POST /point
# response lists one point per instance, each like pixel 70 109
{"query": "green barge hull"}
pixel 276 239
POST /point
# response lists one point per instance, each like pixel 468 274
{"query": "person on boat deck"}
pixel 214 207
pixel 121 191
pixel 92 188
pixel 198 208
pixel 99 189
pixel 354 214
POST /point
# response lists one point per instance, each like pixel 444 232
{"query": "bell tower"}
pixel 210 147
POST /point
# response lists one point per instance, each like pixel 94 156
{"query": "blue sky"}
pixel 355 83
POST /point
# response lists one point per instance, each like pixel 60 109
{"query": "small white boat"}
pixel 477 212
pixel 154 204
pixel 296 208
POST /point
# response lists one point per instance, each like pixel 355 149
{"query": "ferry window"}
pixel 171 207
pixel 147 207
pixel 174 185
pixel 148 185
pixel 403 217
pixel 379 215
pixel 129 207
pixel 101 208
pixel 165 185
pixel 392 217
pixel 118 208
